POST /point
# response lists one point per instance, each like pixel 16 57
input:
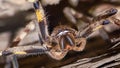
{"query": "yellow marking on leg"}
pixel 98 27
pixel 20 53
pixel 39 15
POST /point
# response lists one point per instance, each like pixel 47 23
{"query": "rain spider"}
pixel 59 43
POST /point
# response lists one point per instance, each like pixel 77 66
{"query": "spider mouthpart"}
pixel 64 37
pixel 66 42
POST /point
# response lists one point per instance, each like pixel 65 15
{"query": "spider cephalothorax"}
pixel 64 36
pixel 65 39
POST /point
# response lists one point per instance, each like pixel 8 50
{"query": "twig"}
pixel 87 62
pixel 110 65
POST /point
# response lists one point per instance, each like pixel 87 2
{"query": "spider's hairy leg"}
pixel 98 25
pixel 105 14
pixel 102 32
pixel 14 61
pixel 12 54
pixel 41 19
pixel 89 30
pixel 29 27
pixel 11 59
pixel 24 50
pixel 54 52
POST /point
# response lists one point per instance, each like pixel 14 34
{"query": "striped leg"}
pixel 13 53
pixel 20 37
pixel 105 15
pixel 14 61
pixel 41 19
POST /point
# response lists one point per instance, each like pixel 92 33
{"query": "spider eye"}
pixel 105 22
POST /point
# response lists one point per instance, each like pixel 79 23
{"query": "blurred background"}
pixel 15 14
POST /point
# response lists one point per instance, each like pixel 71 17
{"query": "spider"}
pixel 56 45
